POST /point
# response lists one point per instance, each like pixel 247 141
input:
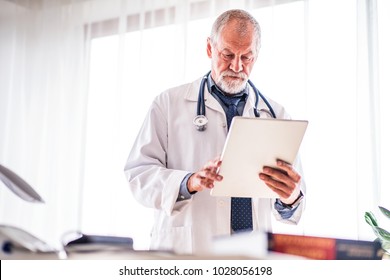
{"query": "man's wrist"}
pixel 184 193
pixel 295 203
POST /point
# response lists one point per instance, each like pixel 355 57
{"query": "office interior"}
pixel 78 76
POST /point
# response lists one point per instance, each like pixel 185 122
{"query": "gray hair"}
pixel 243 17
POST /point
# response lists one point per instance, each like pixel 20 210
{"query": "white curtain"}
pixel 43 111
pixel 76 79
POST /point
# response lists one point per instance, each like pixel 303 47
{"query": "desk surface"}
pixel 134 255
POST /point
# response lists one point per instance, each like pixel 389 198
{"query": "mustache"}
pixel 229 73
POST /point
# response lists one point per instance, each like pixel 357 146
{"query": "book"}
pixel 89 243
pixel 324 248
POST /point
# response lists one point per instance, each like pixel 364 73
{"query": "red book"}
pixel 324 248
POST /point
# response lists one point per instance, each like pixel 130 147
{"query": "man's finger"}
pixel 290 170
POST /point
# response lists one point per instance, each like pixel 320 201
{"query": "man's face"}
pixel 232 57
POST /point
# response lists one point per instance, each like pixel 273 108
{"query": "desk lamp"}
pixel 18 186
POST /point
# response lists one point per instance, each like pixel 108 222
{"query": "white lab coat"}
pixel 167 148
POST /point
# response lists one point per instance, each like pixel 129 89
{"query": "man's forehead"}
pixel 247 47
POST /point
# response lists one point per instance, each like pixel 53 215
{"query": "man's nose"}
pixel 236 65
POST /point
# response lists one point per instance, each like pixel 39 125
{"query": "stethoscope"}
pixel 200 121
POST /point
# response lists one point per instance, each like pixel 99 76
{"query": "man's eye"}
pixel 228 56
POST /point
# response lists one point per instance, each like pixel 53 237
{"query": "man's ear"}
pixel 209 48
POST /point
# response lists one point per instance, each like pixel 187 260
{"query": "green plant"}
pixel 382 234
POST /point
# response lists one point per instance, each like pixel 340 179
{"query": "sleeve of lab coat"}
pixel 150 181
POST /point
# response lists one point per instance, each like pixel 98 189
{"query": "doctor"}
pixel 172 165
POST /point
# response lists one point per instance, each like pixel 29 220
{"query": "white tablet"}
pixel 251 144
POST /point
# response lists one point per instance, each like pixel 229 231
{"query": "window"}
pixel 314 60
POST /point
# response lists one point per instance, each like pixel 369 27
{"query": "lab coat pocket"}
pixel 178 239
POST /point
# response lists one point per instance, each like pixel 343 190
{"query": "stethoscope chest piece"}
pixel 200 121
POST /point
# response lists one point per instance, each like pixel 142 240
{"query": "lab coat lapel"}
pixel 210 101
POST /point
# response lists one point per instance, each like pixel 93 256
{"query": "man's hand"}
pixel 283 180
pixel 204 178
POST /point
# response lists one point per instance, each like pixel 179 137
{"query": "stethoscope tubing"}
pixel 258 93
pixel 200 120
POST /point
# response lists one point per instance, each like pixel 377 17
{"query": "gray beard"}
pixel 231 87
